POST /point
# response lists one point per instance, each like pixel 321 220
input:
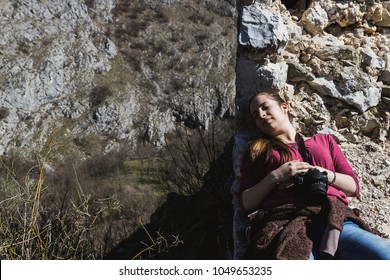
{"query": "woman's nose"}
pixel 262 113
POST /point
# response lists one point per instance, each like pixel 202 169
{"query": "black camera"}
pixel 313 184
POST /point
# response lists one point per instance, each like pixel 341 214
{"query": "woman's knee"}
pixel 357 243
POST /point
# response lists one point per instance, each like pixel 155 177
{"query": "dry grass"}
pixel 79 211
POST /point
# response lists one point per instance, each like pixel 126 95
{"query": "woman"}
pixel 289 223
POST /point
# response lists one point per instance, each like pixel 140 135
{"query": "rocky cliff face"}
pixel 102 72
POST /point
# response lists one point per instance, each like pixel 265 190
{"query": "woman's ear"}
pixel 284 107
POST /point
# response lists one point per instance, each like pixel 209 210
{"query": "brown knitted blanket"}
pixel 283 232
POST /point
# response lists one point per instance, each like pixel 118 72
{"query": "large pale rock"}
pixel 370 59
pixel 338 137
pixel 348 14
pixel 335 52
pixel 315 19
pixel 297 72
pixel 326 40
pixel 253 77
pixel 368 122
pixel 262 28
pixel 329 48
pixel 354 88
pixel 380 14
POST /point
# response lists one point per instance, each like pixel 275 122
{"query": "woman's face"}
pixel 269 115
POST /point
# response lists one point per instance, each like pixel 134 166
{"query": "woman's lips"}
pixel 266 120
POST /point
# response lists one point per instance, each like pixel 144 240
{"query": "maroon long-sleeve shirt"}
pixel 322 150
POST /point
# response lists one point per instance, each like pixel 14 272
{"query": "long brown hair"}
pixel 260 149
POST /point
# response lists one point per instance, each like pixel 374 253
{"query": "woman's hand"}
pixel 279 178
pixel 288 170
pixel 340 181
